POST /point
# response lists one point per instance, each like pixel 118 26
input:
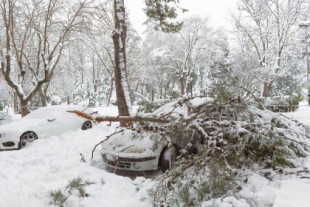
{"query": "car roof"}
pixel 48 111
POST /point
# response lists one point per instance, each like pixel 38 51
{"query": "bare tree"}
pixel 270 26
pixel 34 41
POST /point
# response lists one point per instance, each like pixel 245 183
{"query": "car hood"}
pixel 132 144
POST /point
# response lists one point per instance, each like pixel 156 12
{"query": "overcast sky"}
pixel 217 10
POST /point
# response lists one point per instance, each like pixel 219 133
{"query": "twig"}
pixel 108 137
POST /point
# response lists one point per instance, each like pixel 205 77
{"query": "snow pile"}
pixel 27 176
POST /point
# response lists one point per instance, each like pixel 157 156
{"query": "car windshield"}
pixel 50 112
pixel 39 113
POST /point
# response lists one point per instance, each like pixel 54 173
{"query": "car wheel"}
pixel 27 137
pixel 87 125
pixel 168 157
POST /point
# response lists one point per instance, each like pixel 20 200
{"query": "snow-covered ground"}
pixel 27 176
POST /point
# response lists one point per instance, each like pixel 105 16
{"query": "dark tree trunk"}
pixel 42 97
pixel 153 94
pixel 24 108
pixel 267 89
pixel 121 83
pixel 15 103
pixel 181 80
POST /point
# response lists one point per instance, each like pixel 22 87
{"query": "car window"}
pixel 39 113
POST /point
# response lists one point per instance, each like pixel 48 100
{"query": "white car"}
pixel 142 151
pixel 44 122
pixel 131 152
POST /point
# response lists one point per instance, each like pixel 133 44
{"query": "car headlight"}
pixel 136 165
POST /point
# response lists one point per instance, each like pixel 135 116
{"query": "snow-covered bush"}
pixel 149 106
pixel 77 186
pixel 282 103
pixel 230 138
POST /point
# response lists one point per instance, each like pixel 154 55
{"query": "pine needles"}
pixel 59 197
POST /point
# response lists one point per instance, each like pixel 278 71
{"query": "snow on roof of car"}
pixel 46 112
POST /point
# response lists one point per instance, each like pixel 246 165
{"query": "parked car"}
pixel 139 152
pixel 5 118
pixel 44 122
pixel 128 153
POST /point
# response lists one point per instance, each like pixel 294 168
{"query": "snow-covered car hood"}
pixel 133 144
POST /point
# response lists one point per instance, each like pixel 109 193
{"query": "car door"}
pixel 53 126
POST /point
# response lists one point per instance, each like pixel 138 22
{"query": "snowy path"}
pixel 28 175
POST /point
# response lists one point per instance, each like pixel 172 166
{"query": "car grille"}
pixel 117 163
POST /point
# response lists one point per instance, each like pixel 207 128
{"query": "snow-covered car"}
pixel 41 123
pixel 134 152
pixel 146 150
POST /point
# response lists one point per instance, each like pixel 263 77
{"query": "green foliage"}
pixel 282 103
pixel 78 184
pixel 162 12
pixel 172 95
pixel 232 136
pixel 59 197
pixel 148 106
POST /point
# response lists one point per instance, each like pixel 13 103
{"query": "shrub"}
pixel 59 197
pixel 282 103
pixel 231 137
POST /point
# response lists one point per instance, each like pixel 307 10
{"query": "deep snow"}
pixel 28 175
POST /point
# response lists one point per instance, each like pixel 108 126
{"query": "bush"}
pixel 282 103
pixel 59 197
pixel 149 107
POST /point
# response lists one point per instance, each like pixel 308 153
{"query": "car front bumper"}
pixel 118 163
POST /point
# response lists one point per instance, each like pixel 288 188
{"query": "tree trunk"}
pixel 42 97
pixel 181 86
pixel 267 89
pixel 24 108
pixel 111 92
pixel 153 94
pixel 15 103
pixel 121 82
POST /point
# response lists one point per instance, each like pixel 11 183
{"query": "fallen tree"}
pixel 118 118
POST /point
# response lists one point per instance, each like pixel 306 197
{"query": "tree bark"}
pixel 24 108
pixel 181 80
pixel 15 103
pixel 266 89
pixel 121 82
pixel 118 118
pixel 42 97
